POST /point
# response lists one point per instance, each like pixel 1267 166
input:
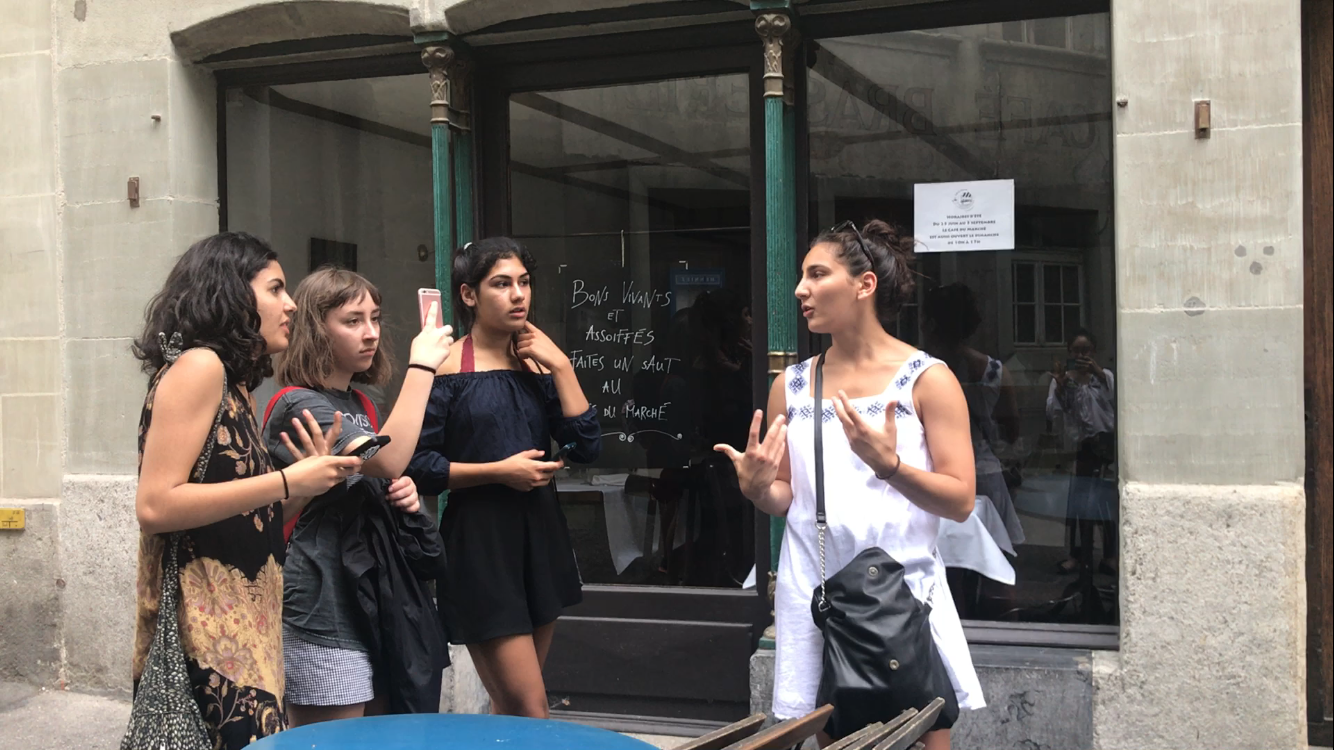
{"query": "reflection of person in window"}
pixel 667 383
pixel 950 317
pixel 722 372
pixel 1084 393
pixel 721 322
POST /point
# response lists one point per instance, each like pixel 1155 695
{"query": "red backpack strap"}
pixel 268 410
pixel 289 524
pixel 369 406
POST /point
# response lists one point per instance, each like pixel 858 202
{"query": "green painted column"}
pixel 780 223
pixel 780 239
pixel 444 214
pixel 438 59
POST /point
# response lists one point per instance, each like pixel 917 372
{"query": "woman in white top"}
pixel 1084 393
pixel 902 460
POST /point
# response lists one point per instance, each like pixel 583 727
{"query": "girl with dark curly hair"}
pixel 206 484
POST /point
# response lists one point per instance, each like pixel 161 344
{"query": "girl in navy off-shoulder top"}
pixel 496 406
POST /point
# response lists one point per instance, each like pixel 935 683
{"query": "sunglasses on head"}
pixel 861 242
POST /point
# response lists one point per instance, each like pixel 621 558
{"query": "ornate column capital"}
pixel 779 44
pixel 438 59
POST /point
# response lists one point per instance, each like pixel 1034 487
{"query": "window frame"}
pixel 1040 262
pixel 825 22
pixel 715 42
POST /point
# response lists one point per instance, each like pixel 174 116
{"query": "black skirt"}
pixel 511 565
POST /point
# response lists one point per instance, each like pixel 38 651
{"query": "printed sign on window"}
pixel 959 216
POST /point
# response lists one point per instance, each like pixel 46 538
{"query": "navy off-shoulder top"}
pixel 480 417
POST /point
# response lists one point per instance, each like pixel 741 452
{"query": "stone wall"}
pixel 31 425
pixel 1209 264
pixel 1208 259
pixel 1037 698
pixel 95 93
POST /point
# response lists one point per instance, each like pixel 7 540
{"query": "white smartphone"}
pixel 424 299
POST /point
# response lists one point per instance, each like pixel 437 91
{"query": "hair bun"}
pixel 900 244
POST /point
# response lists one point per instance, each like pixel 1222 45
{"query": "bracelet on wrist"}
pixel 415 366
pixel 287 494
pixel 890 474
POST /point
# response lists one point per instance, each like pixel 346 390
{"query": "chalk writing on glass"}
pixel 629 437
pixel 620 357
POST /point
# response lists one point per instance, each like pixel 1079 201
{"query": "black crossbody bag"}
pixel 879 656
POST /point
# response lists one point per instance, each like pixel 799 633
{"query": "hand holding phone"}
pixel 563 452
pixel 430 347
pixel 369 448
pixel 424 299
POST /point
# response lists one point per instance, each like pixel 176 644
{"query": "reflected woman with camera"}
pixel 1084 393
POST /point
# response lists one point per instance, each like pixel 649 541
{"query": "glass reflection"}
pixel 636 199
pixel 1027 101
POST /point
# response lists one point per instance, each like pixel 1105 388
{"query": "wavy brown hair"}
pixel 207 299
pixel 309 358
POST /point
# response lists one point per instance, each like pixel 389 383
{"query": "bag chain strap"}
pixel 820 522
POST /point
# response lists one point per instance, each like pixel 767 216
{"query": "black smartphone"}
pixel 563 452
pixel 1073 365
pixel 371 447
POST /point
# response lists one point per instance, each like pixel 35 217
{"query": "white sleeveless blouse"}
pixel 862 512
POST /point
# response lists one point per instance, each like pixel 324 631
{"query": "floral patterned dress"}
pixel 231 576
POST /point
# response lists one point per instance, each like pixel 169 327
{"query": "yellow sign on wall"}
pixel 11 518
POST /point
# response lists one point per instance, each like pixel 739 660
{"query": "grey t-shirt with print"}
pixel 317 602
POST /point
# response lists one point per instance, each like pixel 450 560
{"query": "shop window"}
pixel 1027 101
pixel 338 173
pixel 636 200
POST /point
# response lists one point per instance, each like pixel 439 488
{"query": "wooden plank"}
pixel 1318 136
pixel 864 737
pixel 721 738
pixel 868 737
pixel 915 727
pixel 788 733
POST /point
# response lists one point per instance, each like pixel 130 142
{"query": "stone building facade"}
pixel 1195 278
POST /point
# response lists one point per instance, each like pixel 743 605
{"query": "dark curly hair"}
pixel 892 252
pixel 474 261
pixel 208 300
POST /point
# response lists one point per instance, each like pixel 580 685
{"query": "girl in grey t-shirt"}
pixel 336 342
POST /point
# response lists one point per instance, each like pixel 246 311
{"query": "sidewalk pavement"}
pixel 39 719
pixel 34 718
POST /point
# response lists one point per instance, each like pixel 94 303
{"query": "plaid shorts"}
pixel 325 676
